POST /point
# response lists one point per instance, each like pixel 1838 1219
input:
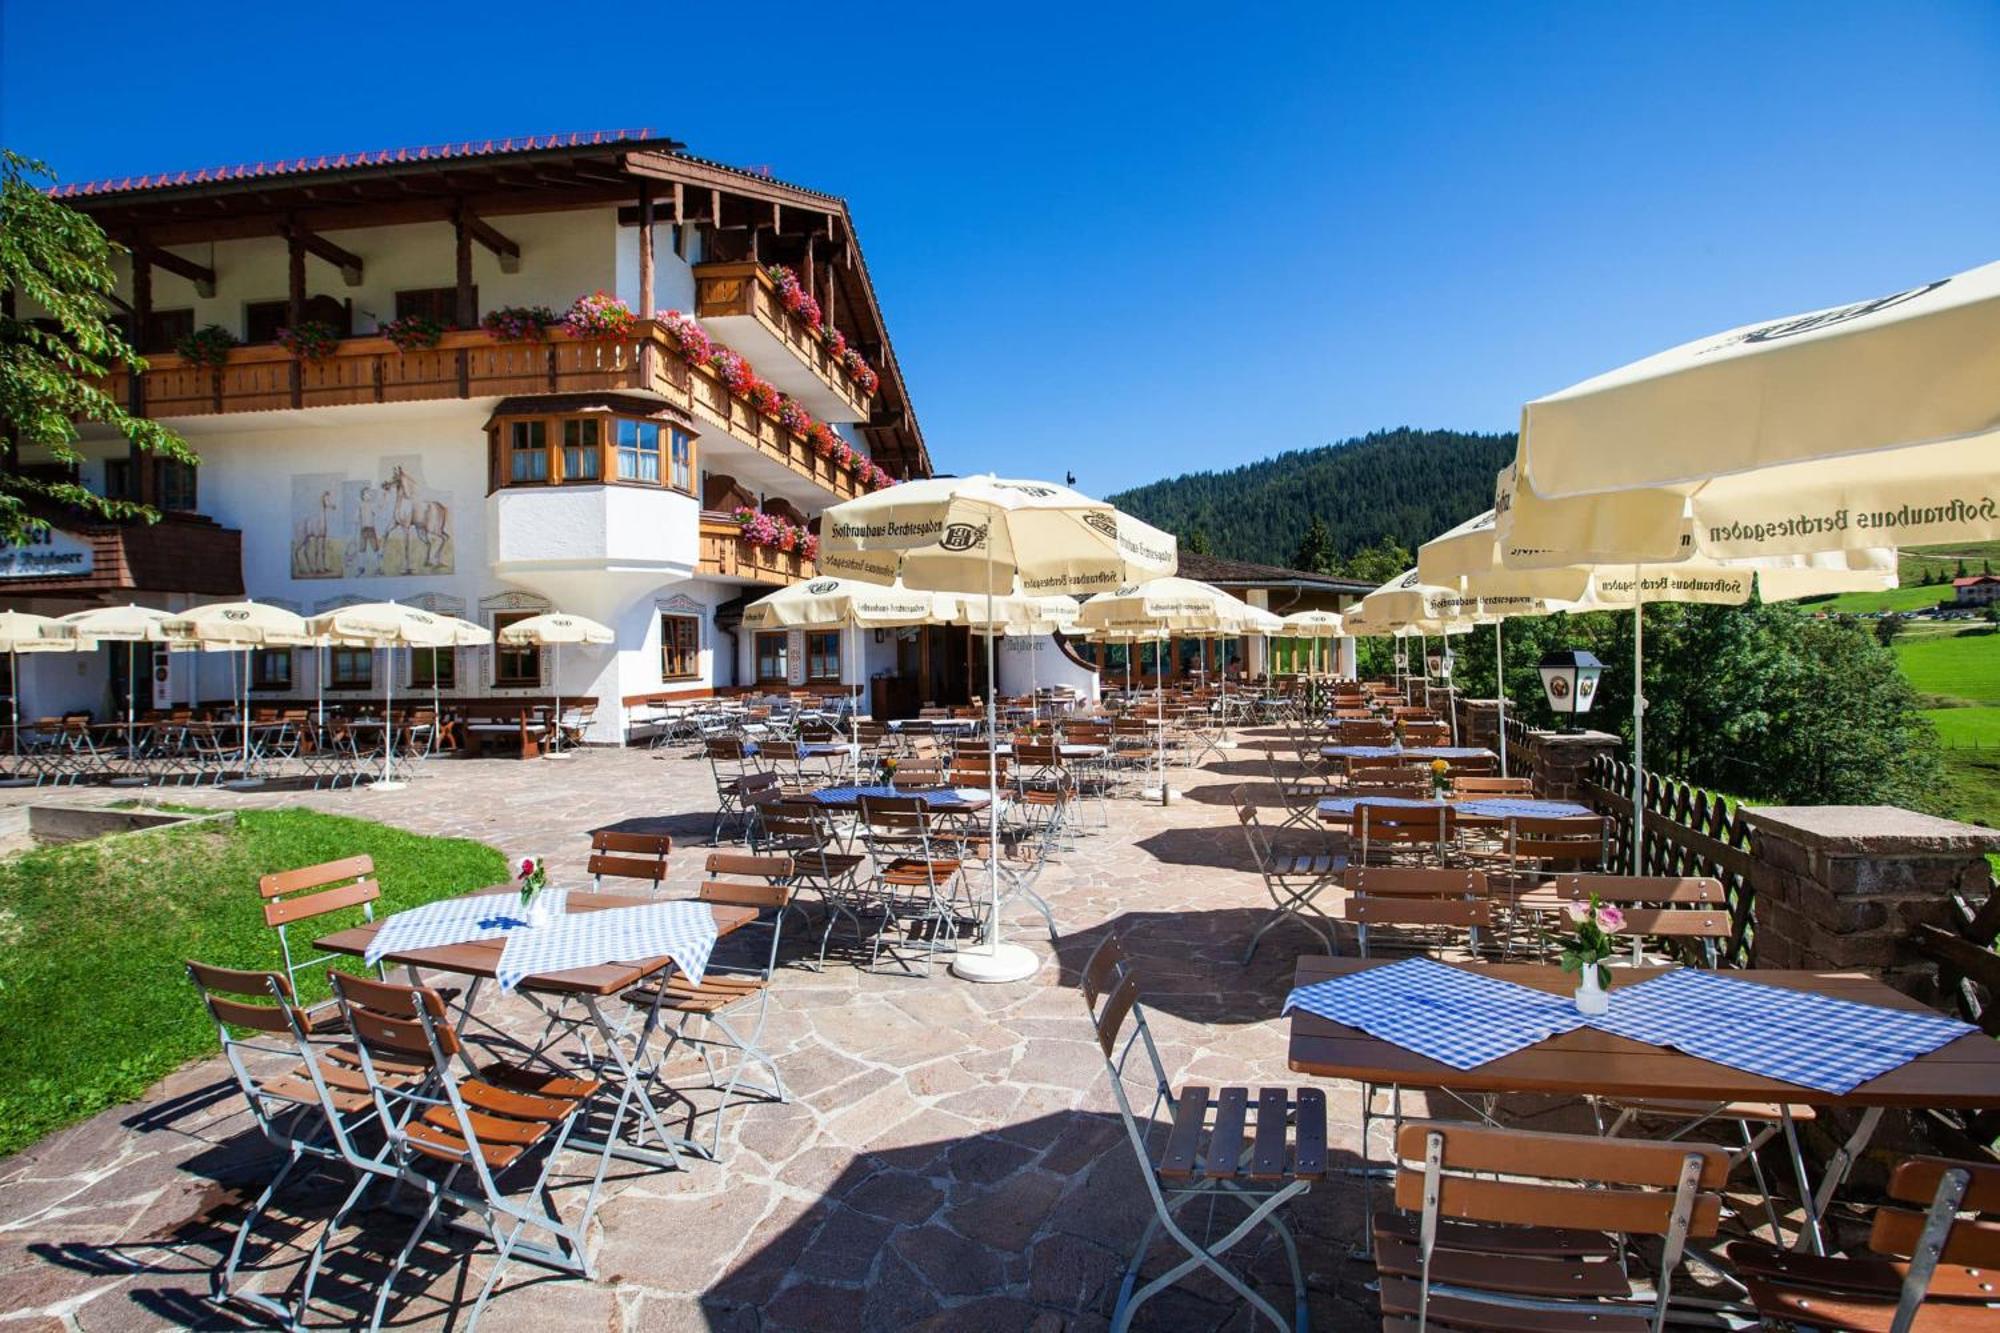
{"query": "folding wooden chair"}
pixel 1411 783
pixel 310 1110
pixel 1387 831
pixel 1521 1230
pixel 450 1124
pixel 1301 792
pixel 733 762
pixel 638 857
pixel 312 892
pixel 1414 897
pixel 804 832
pixel 1255 1148
pixel 728 995
pixel 1474 786
pixel 915 875
pixel 1294 881
pixel 1687 913
pixel 1924 1270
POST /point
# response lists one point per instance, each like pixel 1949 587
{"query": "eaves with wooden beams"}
pixel 745 216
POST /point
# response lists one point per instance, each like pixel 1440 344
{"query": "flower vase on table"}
pixel 1585 949
pixel 533 876
pixel 887 772
pixel 1440 779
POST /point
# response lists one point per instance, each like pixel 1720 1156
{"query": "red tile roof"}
pixel 379 157
pixel 1975 580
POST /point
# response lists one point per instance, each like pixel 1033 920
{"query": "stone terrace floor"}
pixel 952 1157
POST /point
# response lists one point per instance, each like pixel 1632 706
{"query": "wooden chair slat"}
pixel 1309 1133
pixel 625 867
pixel 624 840
pixel 261 1017
pixel 1225 1139
pixel 1399 1298
pixel 1601 1161
pixel 739 863
pixel 233 981
pixel 1184 1140
pixel 1669 889
pixel 1112 1017
pixel 1519 1274
pixel 1895 1231
pixel 1416 912
pixel 1103 968
pixel 315 876
pixel 1520 1203
pixel 733 894
pixel 284 911
pixel 1916 1181
pixel 1268 1152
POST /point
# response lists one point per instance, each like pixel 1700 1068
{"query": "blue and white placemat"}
pixel 483 916
pixel 1459 1018
pixel 1498 807
pixel 1815 1041
pixel 1406 752
pixel 938 798
pixel 682 931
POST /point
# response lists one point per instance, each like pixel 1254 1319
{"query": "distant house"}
pixel 1978 590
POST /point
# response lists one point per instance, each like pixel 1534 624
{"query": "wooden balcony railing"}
pixel 744 291
pixel 724 554
pixel 471 365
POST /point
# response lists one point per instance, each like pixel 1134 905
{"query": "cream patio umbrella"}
pixel 1865 425
pixel 239 627
pixel 1480 553
pixel 553 629
pixel 131 625
pixel 25 632
pixel 1170 606
pixel 388 626
pixel 846 604
pixel 979 535
pixel 464 634
pixel 1314 626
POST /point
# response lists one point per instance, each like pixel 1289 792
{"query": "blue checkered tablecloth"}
pixel 1815 1041
pixel 1498 807
pixel 682 931
pixel 941 723
pixel 483 916
pixel 937 798
pixel 1404 752
pixel 1459 1018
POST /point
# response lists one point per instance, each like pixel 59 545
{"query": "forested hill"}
pixel 1408 485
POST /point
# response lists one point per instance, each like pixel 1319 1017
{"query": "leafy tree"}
pixel 1197 543
pixel 1315 550
pixel 1986 568
pixel 1961 567
pixel 1378 563
pixel 1888 629
pixel 59 262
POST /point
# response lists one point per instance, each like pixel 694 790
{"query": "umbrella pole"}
pixel 131 696
pixel 998 962
pixel 1500 691
pixel 1638 725
pixel 319 681
pixel 388 715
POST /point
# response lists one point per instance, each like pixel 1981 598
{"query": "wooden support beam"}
pixel 142 311
pixel 645 250
pixel 313 243
pixel 506 251
pixel 295 297
pixel 464 313
pixel 202 276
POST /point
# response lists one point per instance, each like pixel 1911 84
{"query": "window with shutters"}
pixel 680 647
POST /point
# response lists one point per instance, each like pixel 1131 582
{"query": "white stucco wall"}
pixel 1035 662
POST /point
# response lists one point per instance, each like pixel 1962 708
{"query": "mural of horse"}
pixel 419 519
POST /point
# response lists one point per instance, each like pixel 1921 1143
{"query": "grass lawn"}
pixel 1953 666
pixel 94 1004
pixel 1960 728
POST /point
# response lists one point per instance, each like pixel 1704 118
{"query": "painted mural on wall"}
pixel 387 524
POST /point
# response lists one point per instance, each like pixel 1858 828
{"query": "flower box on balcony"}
pixel 741 303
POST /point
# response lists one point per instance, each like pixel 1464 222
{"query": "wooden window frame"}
pixel 531 679
pixel 816 674
pixel 421 681
pixel 679 457
pixel 688 666
pixel 784 657
pixel 334 678
pixel 260 682
pixel 438 303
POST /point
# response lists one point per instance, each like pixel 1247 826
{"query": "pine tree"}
pixel 1197 543
pixel 1961 567
pixel 1315 550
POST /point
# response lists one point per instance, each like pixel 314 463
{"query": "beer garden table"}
pixel 1588 1062
pixel 587 986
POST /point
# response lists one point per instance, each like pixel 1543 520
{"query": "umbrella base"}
pixel 393 784
pixel 559 754
pixel 131 782
pixel 1002 962
pixel 243 784
pixel 1152 795
pixel 18 782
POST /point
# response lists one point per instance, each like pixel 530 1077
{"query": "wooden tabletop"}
pixel 1965 1073
pixel 481 958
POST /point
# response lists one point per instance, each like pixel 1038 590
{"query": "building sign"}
pixel 48 553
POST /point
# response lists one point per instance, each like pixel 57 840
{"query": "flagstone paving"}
pixel 951 1158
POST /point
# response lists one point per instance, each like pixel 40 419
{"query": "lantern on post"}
pixel 1569 681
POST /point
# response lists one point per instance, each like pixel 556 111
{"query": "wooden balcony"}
pixel 725 555
pixel 471 365
pixel 740 303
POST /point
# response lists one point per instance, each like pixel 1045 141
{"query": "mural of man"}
pixel 369 542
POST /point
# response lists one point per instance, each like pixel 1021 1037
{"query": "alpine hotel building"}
pixel 431 441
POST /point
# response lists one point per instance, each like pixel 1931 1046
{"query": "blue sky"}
pixel 1139 242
